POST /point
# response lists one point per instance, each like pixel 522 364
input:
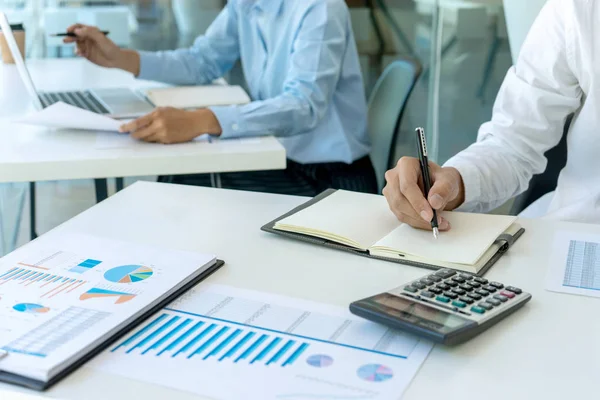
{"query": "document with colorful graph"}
pixel 226 343
pixel 62 296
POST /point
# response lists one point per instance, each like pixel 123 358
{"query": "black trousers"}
pixel 297 179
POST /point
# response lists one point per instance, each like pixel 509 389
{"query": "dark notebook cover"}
pixel 41 385
pixel 505 240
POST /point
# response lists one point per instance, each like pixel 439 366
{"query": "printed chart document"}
pixel 227 343
pixel 62 115
pixel 62 297
pixel 575 264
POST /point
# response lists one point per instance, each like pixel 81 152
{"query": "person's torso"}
pixel 267 31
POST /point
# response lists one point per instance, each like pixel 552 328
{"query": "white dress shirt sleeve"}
pixel 529 115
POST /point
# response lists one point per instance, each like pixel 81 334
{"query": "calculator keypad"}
pixel 473 294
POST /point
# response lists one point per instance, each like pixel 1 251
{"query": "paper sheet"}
pixel 198 96
pixel 59 296
pixel 62 115
pixel 115 140
pixel 575 264
pixel 227 343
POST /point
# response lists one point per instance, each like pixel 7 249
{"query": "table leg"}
pixel 119 182
pixel 101 189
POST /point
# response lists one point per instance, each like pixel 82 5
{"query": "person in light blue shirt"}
pixel 301 65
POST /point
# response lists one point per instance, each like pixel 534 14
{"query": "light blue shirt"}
pixel 301 64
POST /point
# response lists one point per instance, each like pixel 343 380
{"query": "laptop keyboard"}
pixel 83 100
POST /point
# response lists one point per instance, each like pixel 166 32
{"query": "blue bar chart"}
pixel 85 266
pixel 52 284
pixel 175 335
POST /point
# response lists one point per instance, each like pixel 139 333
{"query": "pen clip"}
pixel 422 141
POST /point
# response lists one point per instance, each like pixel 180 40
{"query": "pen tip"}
pixel 436 233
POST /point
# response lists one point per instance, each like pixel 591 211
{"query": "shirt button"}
pixel 235 127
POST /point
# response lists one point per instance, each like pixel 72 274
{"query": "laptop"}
pixel 115 102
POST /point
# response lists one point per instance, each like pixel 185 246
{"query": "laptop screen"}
pixel 20 63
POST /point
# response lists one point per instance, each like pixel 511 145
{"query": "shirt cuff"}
pixel 471 182
pixel 150 66
pixel 230 119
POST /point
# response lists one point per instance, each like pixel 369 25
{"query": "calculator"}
pixel 445 306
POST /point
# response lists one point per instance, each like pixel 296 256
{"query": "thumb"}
pixel 443 191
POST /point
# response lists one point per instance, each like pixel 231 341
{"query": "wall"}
pixel 520 15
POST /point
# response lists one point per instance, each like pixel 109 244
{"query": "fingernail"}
pixel 436 201
pixel 444 224
pixel 426 215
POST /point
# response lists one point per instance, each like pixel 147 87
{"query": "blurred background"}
pixel 461 45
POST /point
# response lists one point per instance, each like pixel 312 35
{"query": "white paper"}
pixel 575 264
pixel 198 96
pixel 62 115
pixel 59 296
pixel 227 343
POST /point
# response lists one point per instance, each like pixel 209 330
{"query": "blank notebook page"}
pixel 471 235
pixel 363 218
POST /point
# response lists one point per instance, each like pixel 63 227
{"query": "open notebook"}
pixel 198 96
pixel 67 297
pixel 364 223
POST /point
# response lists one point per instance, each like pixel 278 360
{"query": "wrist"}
pixel 460 198
pixel 128 60
pixel 207 122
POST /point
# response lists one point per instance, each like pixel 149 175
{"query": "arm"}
pixel 315 67
pixel 211 56
pixel 529 115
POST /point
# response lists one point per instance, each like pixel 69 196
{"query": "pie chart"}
pixel 319 360
pixel 30 308
pixel 128 274
pixel 375 373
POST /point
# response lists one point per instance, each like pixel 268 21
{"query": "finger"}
pixel 74 26
pixel 408 179
pixel 417 222
pixel 146 132
pixel 443 191
pixel 89 32
pixel 136 124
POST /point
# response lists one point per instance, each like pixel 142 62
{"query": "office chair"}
pixel 386 108
pixel 547 180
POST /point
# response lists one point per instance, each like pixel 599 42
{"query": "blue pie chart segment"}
pixel 375 373
pixel 319 360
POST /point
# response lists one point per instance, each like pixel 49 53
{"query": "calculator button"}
pixel 435 290
pixel 494 302
pixel 475 284
pixel 486 305
pixel 443 286
pixel 419 285
pixel 483 281
pixel 427 294
pixel 466 286
pixel 466 276
pixel 450 295
pixel 445 273
pixel 474 296
pixel 426 282
pixel 482 292
pixel 458 291
pixel 466 299
pixel 501 298
pixel 459 279
pixel 478 310
pixel 451 283
pixel 443 299
pixel 489 288
pixel 434 278
pixel 410 289
pixel 508 294
pixel 497 285
pixel 513 289
pixel 459 304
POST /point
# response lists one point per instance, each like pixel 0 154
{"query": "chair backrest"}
pixel 386 107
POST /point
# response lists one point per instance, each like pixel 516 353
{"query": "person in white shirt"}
pixel 557 74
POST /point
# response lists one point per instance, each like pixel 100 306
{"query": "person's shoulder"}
pixel 338 6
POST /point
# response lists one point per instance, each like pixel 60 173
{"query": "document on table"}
pixel 62 115
pixel 227 343
pixel 575 264
pixel 112 140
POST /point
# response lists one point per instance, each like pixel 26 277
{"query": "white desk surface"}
pixel 547 350
pixel 30 153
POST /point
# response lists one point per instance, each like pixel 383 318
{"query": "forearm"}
pixel 129 60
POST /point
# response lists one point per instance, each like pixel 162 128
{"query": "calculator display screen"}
pixel 419 314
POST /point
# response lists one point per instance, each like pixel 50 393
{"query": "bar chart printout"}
pixel 575 265
pixel 275 346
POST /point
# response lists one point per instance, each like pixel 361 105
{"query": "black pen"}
pixel 422 145
pixel 72 34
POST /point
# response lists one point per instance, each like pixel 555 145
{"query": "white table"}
pixel 30 153
pixel 547 350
